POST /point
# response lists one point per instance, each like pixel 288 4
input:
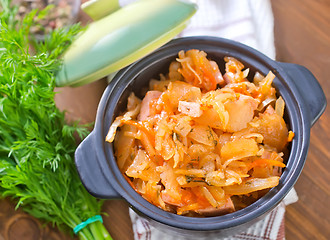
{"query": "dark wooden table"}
pixel 302 36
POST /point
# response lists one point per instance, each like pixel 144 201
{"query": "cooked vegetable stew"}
pixel 203 143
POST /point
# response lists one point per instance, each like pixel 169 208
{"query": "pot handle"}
pixel 90 171
pixel 309 88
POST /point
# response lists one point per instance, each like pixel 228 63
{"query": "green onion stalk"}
pixel 36 144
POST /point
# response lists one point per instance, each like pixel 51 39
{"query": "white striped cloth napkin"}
pixel 250 22
pixel 247 21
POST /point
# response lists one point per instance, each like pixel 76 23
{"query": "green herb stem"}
pixel 97 234
pixel 104 231
pixel 84 234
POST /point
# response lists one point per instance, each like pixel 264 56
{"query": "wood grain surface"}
pixel 302 36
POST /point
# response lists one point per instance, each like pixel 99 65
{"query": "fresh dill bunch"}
pixel 36 145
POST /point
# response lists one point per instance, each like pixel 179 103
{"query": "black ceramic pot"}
pixel 96 164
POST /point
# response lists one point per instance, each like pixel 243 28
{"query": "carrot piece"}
pixel 263 161
pixel 142 128
pixel 186 208
pixel 165 104
pixel 209 74
pixel 291 136
pixel 197 70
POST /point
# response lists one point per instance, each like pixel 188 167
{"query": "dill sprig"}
pixel 36 145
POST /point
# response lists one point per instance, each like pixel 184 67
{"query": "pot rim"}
pixel 299 121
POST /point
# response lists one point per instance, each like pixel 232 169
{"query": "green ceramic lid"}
pixel 120 36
